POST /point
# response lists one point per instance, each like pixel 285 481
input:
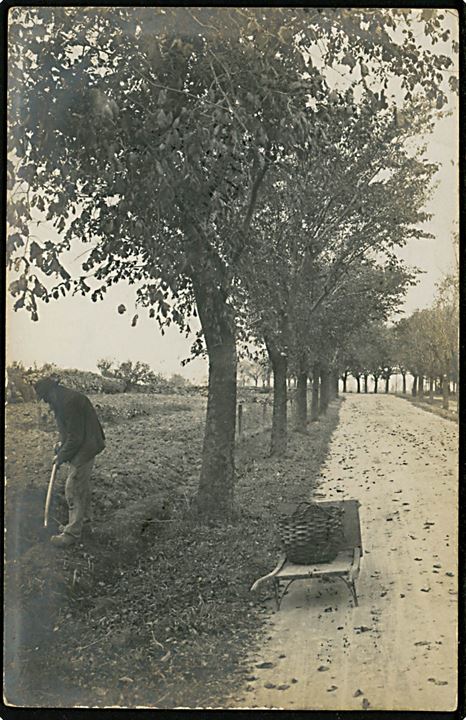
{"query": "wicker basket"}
pixel 312 534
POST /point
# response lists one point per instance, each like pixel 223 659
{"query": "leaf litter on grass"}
pixel 166 604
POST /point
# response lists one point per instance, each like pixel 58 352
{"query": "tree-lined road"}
pixel 212 159
pixel 397 650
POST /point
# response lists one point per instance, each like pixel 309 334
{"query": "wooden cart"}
pixel 344 567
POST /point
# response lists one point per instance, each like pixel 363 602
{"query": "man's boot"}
pixel 87 527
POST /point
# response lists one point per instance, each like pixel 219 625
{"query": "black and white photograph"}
pixel 232 357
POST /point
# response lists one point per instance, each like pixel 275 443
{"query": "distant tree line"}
pixel 424 346
pixel 114 378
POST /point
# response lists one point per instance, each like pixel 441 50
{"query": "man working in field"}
pixel 82 438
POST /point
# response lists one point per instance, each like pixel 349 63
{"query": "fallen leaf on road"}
pixel 332 688
pixel 362 628
pixel 365 704
pixel 437 682
pixel 358 693
pixel 322 668
pixel 283 687
pixel 269 685
pixel 265 665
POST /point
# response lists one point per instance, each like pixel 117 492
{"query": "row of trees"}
pixel 214 158
pixel 423 345
pixel 427 343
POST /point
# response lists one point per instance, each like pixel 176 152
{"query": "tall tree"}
pixel 163 125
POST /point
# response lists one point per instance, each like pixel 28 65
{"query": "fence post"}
pixel 240 418
pixel 264 412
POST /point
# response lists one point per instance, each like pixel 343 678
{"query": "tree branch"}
pixel 217 82
pixel 177 90
pixel 212 27
pixel 253 197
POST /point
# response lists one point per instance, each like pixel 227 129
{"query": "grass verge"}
pixel 435 407
pixel 160 615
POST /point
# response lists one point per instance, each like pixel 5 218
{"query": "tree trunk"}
pixel 344 377
pixel 366 382
pixel 358 383
pixel 420 386
pixel 403 375
pixel 215 492
pixel 324 389
pixel 376 383
pixel 279 416
pixel 331 386
pixel 315 393
pixel 239 424
pixel 431 390
pixel 414 388
pixel 387 383
pixel 445 393
pixel 336 380
pixel 301 402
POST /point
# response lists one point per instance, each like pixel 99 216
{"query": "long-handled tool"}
pixel 49 493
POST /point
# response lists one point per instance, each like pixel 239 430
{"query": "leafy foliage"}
pixel 147 132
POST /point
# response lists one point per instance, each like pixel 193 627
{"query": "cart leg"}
pixel 352 588
pixel 354 594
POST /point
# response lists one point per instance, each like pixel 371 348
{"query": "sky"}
pixel 75 332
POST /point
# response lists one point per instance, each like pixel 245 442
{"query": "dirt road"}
pixel 397 650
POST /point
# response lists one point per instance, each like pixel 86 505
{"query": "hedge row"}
pixel 20 382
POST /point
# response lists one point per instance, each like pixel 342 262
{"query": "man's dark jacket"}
pixel 81 433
